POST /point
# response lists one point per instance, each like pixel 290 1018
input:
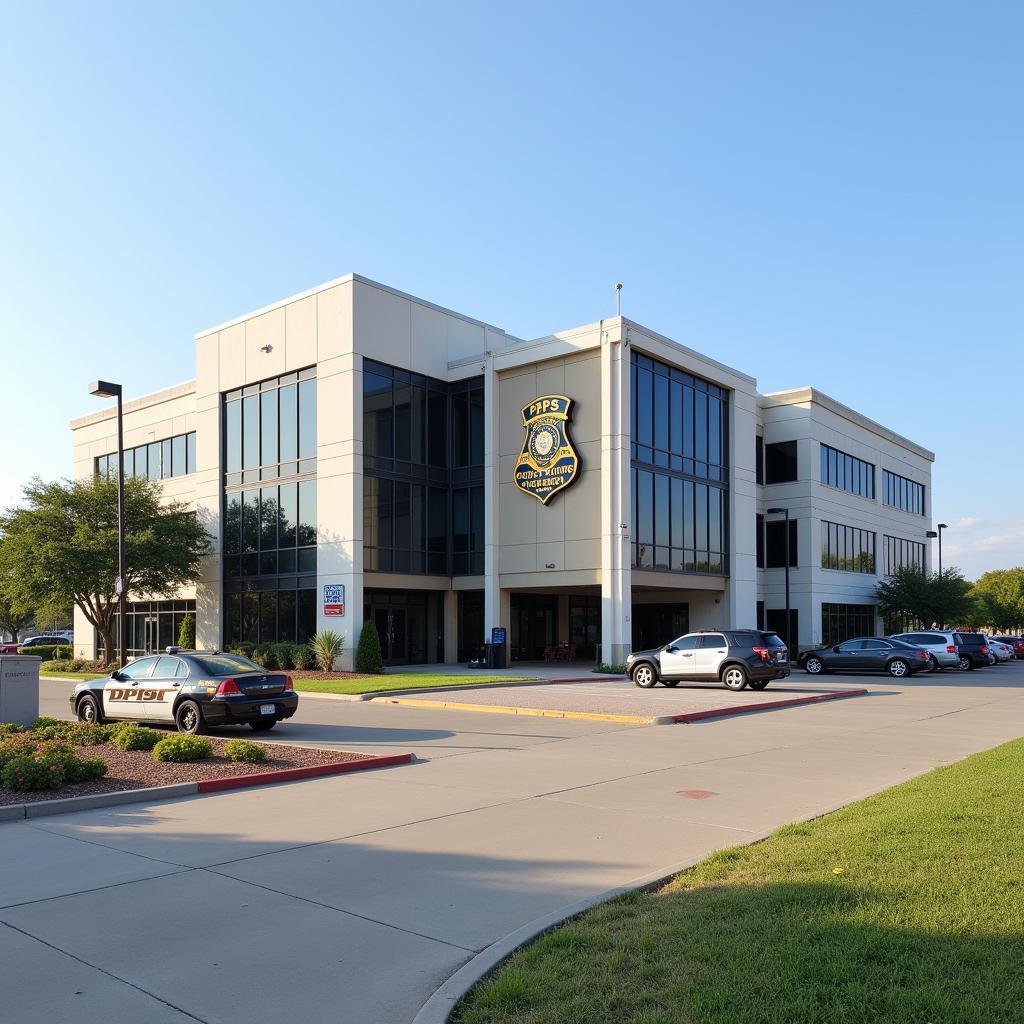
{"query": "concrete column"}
pixel 496 609
pixel 616 519
pixel 741 594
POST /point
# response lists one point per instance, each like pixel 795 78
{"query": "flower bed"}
pixel 137 769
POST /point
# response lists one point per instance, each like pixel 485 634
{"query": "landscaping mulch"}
pixel 311 674
pixel 136 769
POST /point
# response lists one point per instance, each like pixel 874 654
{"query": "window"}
pixel 759 459
pixel 899 492
pixel 270 429
pixel 712 641
pixel 270 531
pixel 585 624
pixel 686 643
pixel 759 527
pixel 847 548
pixel 841 621
pixel 846 472
pixel 152 626
pixel 780 462
pixel 158 460
pixel 900 553
pixel 285 614
pixel 775 543
pixel 139 670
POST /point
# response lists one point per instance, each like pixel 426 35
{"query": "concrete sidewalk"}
pixel 351 899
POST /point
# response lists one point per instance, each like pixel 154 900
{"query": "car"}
pixel 45 640
pixel 973 649
pixel 8 648
pixel 867 654
pixel 191 690
pixel 940 645
pixel 737 657
pixel 1016 642
pixel 999 650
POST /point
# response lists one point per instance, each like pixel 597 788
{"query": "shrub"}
pixel 86 769
pixel 63 651
pixel 45 651
pixel 9 729
pixel 285 654
pixel 134 737
pixel 326 646
pixel 75 665
pixel 243 647
pixel 28 773
pixel 15 747
pixel 182 748
pixel 78 734
pixel 246 751
pixel 368 656
pixel 49 766
pixel 303 657
pixel 187 633
pixel 615 670
pixel 43 721
pixel 265 656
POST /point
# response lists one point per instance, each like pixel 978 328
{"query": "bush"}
pixel 63 651
pixel 615 670
pixel 285 654
pixel 182 748
pixel 9 729
pixel 243 647
pixel 78 734
pixel 14 747
pixel 46 651
pixel 246 751
pixel 265 656
pixel 86 769
pixel 368 656
pixel 43 721
pixel 28 773
pixel 326 646
pixel 187 633
pixel 134 737
pixel 303 658
pixel 49 766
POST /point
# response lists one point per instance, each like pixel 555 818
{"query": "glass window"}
pixel 901 493
pixel 233 436
pixel 154 460
pixel 437 429
pixel 179 464
pixel 686 643
pixel 190 452
pixel 847 472
pixel 268 428
pixel 250 432
pixel 307 512
pixel 775 543
pixel 165 458
pixel 250 520
pixel 780 462
pixel 288 442
pixel 141 669
pixel 269 513
pixel 712 641
pixel 166 668
pixel 307 418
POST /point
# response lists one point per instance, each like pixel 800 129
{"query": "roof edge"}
pixel 142 402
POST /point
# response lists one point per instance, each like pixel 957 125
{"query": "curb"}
pixel 375 694
pixel 745 709
pixel 67 805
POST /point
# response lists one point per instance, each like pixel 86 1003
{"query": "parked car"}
pixel 867 654
pixel 1016 642
pixel 974 652
pixel 8 648
pixel 45 640
pixel 737 657
pixel 192 690
pixel 940 645
pixel 999 650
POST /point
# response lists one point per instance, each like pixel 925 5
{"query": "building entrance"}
pixel 534 625
pixel 410 625
pixel 654 625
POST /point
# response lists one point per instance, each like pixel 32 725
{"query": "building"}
pixel 360 453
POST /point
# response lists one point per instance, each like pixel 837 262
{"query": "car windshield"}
pixel 225 664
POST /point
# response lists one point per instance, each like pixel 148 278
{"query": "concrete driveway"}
pixel 351 899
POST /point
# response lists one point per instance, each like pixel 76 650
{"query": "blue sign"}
pixel 334 599
pixel 498 635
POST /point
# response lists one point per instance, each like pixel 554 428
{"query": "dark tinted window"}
pixel 224 664
pixel 771 640
pixel 875 645
pixel 899 492
pixel 780 465
pixel 775 543
pixel 167 668
pixel 712 641
pixel 850 645
pixel 140 669
pixel 686 643
pixel 846 472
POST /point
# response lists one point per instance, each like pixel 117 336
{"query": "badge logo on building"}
pixel 548 462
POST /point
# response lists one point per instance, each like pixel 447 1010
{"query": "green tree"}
pixel 187 633
pixel 61 547
pixel 911 596
pixel 13 619
pixel 368 656
pixel 999 597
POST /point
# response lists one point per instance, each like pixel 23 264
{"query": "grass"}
pixel 906 908
pixel 398 681
pixel 72 675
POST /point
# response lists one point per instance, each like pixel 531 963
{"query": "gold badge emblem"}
pixel 548 462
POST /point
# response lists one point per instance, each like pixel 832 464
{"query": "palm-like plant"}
pixel 326 646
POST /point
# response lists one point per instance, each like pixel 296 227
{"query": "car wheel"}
pixel 263 724
pixel 898 668
pixel 933 664
pixel 88 710
pixel 188 718
pixel 670 682
pixel 815 666
pixel 964 663
pixel 760 684
pixel 645 676
pixel 735 677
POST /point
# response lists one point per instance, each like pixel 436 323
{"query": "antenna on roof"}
pixel 618 298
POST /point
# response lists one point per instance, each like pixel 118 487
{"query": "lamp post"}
pixel 941 527
pixel 785 512
pixel 104 389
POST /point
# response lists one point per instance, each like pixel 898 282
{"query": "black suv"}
pixel 973 652
pixel 737 657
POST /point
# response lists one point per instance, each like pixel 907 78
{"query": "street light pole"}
pixel 789 625
pixel 104 389
pixel 941 527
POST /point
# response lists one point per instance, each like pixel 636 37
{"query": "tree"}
pixel 999 597
pixel 911 596
pixel 187 633
pixel 61 547
pixel 368 656
pixel 12 619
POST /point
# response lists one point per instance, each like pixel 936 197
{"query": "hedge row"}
pixel 276 656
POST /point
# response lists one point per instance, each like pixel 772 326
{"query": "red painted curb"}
pixel 595 678
pixel 697 716
pixel 289 774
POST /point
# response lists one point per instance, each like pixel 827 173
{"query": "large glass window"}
pixel 158 460
pixel 152 626
pixel 271 616
pixel 775 543
pixel 837 469
pixel 847 548
pixel 780 462
pixel 680 455
pixel 899 492
pixel 900 553
pixel 840 622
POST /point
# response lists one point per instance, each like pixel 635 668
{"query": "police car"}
pixel 189 689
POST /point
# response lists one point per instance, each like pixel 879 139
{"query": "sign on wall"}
pixel 334 599
pixel 548 462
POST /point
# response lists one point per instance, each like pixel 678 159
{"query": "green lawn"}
pixel 43 673
pixel 906 908
pixel 398 681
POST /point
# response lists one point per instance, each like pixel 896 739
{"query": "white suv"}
pixel 941 646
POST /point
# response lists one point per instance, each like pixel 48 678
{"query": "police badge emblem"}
pixel 548 462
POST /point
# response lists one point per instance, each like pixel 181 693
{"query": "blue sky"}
pixel 813 193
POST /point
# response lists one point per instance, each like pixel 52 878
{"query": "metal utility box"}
pixel 19 688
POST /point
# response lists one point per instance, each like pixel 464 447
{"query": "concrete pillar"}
pixel 496 607
pixel 616 496
pixel 740 606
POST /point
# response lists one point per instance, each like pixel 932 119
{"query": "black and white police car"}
pixel 191 689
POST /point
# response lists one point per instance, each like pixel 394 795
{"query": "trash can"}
pixel 495 655
pixel 19 688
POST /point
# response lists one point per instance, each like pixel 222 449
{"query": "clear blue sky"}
pixel 814 193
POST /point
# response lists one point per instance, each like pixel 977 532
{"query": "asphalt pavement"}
pixel 350 899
